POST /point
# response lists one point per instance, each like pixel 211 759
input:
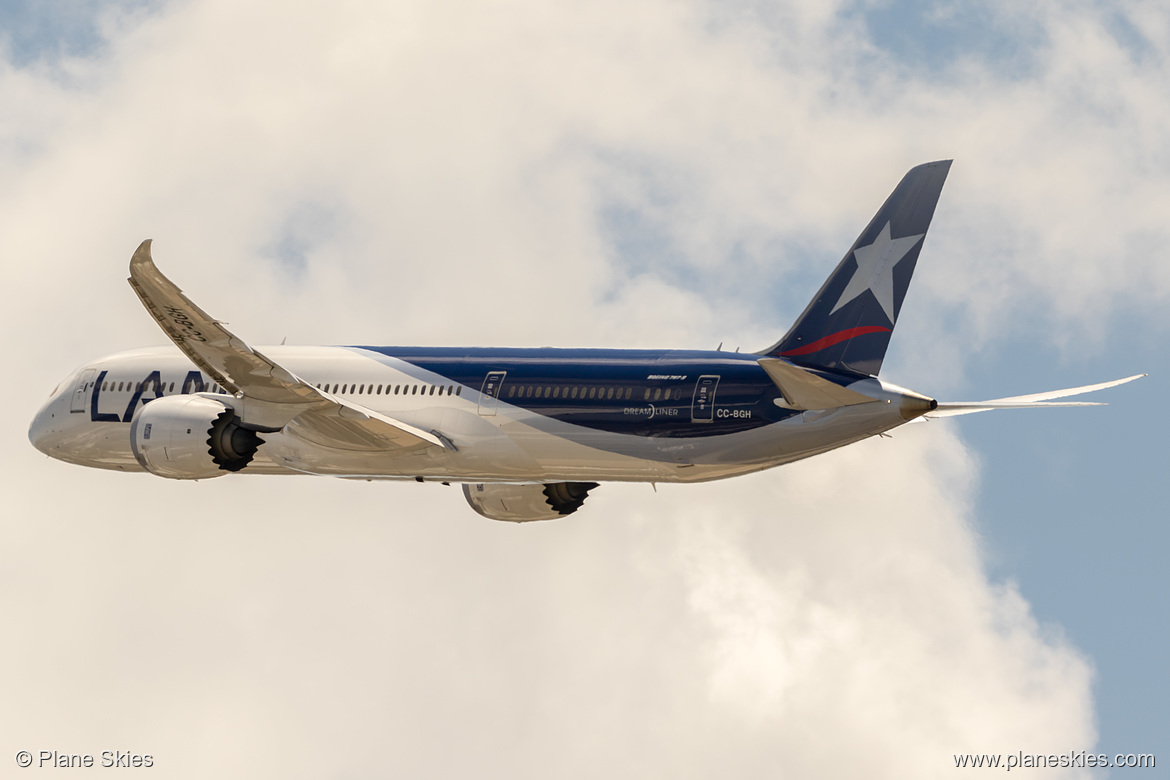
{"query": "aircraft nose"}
pixel 36 432
pixel 44 429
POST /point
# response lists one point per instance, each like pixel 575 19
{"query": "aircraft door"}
pixel 703 404
pixel 490 392
pixel 78 404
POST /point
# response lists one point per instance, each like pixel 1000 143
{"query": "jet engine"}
pixel 190 437
pixel 523 503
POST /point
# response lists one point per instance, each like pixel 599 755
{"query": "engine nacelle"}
pixel 190 437
pixel 525 503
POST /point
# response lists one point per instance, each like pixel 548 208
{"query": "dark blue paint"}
pixel 908 211
pixel 193 383
pixel 744 399
pixel 152 379
pixel 94 414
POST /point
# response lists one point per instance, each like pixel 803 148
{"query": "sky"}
pixel 654 173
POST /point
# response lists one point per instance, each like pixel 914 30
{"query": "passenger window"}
pixel 629 392
pixel 414 390
pixel 657 393
pixel 610 395
pixel 511 390
pixel 556 392
pixel 432 390
pixel 575 389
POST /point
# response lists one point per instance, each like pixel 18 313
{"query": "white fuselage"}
pixel 492 438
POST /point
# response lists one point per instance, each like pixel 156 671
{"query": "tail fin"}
pixel 848 325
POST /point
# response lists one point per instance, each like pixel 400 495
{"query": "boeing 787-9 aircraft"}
pixel 528 432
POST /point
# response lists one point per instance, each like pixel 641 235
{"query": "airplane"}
pixel 528 433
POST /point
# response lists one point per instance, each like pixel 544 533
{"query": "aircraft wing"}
pixel 271 395
pixel 955 408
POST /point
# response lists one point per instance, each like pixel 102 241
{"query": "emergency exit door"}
pixel 703 404
pixel 490 392
pixel 79 393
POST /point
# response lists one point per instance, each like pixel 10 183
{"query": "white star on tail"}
pixel 875 269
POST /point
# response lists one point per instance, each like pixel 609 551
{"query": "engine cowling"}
pixel 190 437
pixel 525 503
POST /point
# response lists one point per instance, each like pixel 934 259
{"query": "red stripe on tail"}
pixel 835 338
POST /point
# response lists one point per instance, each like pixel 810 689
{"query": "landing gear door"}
pixel 490 392
pixel 78 404
pixel 703 404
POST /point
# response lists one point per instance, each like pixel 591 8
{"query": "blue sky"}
pixel 670 175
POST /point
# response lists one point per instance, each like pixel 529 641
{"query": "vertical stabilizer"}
pixel 847 326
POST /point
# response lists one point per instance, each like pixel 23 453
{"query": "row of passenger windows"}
pixel 116 387
pixel 361 389
pixel 603 393
pixel 514 391
pixel 158 387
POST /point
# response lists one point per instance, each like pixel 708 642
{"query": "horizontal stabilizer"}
pixel 805 390
pixel 956 408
